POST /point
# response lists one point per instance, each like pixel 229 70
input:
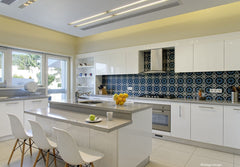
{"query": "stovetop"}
pixel 158 96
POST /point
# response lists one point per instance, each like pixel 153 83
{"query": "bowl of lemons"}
pixel 120 99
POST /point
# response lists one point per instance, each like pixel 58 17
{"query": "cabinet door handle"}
pixel 180 111
pixel 236 109
pixel 11 103
pixel 36 101
pixel 206 107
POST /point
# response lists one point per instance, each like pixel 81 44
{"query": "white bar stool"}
pixel 71 153
pixel 19 133
pixel 43 143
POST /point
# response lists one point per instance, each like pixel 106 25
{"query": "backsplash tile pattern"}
pixel 182 85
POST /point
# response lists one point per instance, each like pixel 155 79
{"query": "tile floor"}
pixel 164 154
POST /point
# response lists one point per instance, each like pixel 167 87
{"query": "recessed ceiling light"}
pixel 78 21
pixel 27 3
pixel 128 5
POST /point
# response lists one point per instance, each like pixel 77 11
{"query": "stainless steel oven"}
pixel 161 117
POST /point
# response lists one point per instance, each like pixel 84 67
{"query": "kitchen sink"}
pixel 90 102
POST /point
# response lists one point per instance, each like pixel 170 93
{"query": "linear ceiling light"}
pixel 78 21
pixel 141 7
pixel 115 14
pixel 128 5
pixel 103 18
pixel 112 10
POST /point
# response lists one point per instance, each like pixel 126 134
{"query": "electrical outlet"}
pixel 129 88
pixel 218 90
pixel 215 90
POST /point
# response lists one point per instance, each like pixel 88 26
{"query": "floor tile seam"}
pixel 190 157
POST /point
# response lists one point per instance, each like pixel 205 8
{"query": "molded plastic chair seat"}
pixel 89 155
pixel 19 132
pixel 42 142
pixel 71 153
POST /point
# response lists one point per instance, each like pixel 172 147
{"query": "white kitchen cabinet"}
pixel 110 62
pixel 180 120
pixel 31 105
pixel 232 58
pixel 184 57
pixel 10 107
pixel 207 123
pixel 231 126
pixel 208 55
pixel 133 61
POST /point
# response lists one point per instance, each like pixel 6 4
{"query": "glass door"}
pixel 58 78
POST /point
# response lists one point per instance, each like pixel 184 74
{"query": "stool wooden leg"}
pixel 43 155
pixel 47 159
pixel 30 145
pixel 23 151
pixel 92 164
pixel 66 165
pixel 54 154
pixel 14 147
pixel 80 165
pixel 39 152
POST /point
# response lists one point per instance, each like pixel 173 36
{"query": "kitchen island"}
pixel 126 141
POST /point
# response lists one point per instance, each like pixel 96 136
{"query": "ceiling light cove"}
pixel 138 5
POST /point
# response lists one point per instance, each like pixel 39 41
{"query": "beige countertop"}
pixel 152 100
pixel 128 107
pixel 16 98
pixel 79 119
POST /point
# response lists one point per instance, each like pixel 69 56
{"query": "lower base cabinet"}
pixel 11 107
pixel 207 123
pixel 180 120
pixel 232 126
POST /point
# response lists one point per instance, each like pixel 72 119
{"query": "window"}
pixel 1 67
pixel 26 67
pixel 57 77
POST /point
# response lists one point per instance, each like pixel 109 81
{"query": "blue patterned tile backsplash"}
pixel 182 85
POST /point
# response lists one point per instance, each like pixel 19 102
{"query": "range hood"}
pixel 156 61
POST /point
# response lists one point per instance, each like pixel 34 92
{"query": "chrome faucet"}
pixel 78 95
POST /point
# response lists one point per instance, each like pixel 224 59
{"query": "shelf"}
pixel 85 67
pixel 85 86
pixel 84 77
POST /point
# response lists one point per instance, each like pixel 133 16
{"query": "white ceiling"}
pixel 56 14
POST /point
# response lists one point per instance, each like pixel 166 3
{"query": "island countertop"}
pixel 104 105
pixel 79 119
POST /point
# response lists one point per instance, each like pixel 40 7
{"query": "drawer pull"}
pixel 180 112
pixel 236 109
pixel 12 103
pixel 37 101
pixel 206 107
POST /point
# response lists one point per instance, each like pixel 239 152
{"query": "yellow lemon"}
pixel 124 99
pixel 121 103
pixel 115 96
pixel 119 99
pixel 126 95
pixel 120 95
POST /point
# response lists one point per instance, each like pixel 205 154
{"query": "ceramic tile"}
pixel 199 161
pixel 182 85
pixel 178 147
pixel 214 155
pixel 170 157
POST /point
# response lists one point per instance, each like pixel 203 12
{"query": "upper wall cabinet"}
pixel 133 61
pixel 232 57
pixel 184 57
pixel 208 55
pixel 110 62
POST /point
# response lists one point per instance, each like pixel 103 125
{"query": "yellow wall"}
pixel 221 19
pixel 19 34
